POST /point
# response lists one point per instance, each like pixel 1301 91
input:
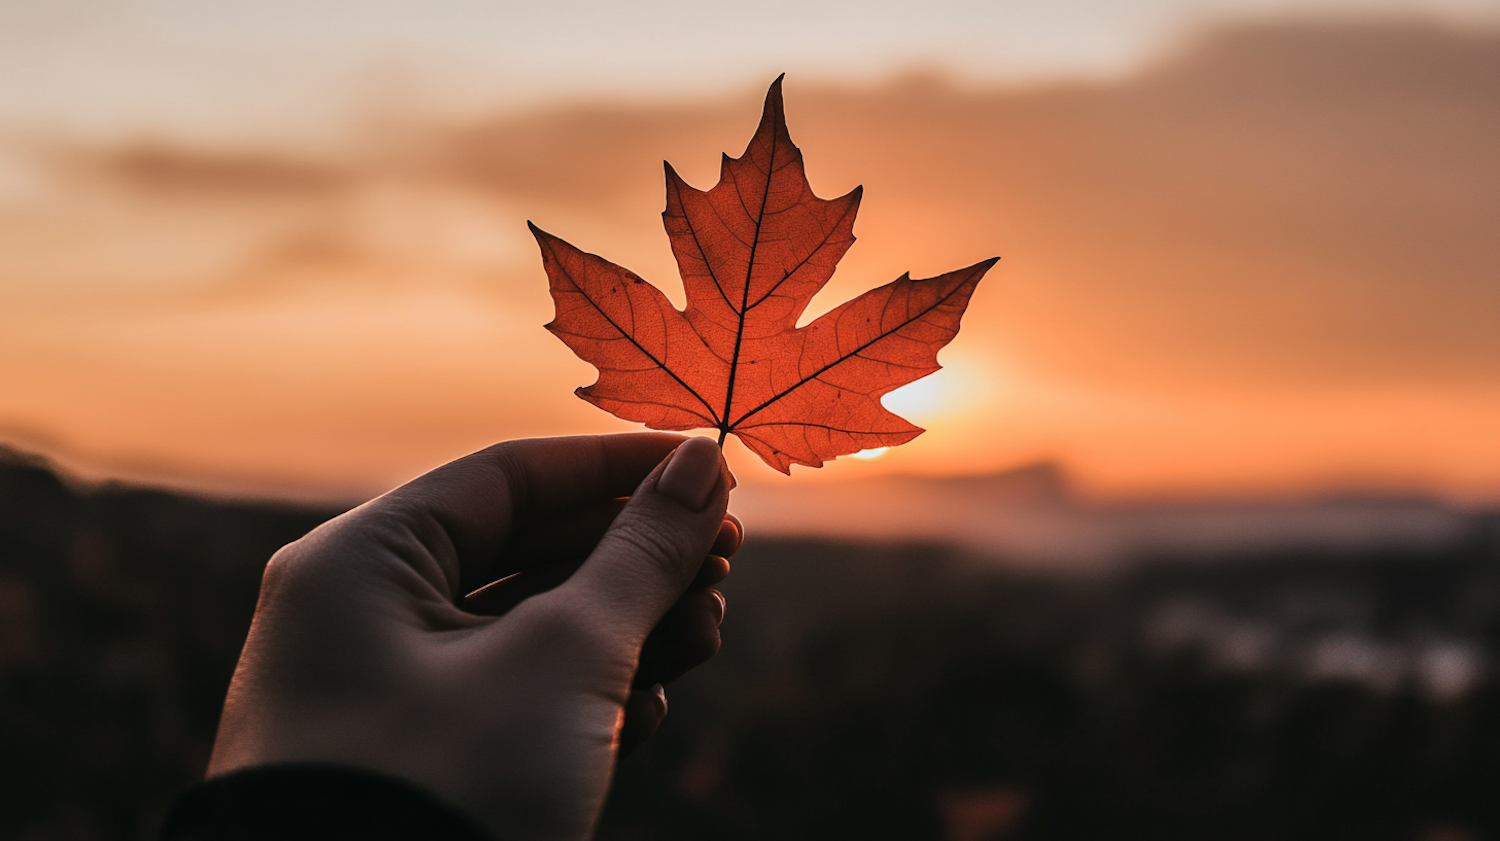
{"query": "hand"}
pixel 381 642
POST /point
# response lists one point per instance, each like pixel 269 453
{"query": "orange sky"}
pixel 1266 264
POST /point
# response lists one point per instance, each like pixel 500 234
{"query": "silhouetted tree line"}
pixel 880 691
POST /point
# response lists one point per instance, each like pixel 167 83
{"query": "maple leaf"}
pixel 752 253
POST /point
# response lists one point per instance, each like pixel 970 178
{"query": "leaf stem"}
pixel 723 433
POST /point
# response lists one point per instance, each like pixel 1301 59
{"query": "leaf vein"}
pixel 840 360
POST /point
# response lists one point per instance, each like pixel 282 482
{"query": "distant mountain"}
pixel 1031 517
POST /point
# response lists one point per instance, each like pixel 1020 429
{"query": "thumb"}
pixel 654 548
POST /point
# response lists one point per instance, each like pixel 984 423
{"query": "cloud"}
pixel 1277 222
pixel 164 169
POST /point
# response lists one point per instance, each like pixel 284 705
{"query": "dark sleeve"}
pixel 310 802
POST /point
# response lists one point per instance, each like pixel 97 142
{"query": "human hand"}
pixel 365 650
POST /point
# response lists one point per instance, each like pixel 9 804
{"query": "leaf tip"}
pixel 981 268
pixel 977 271
pixel 773 93
pixel 774 112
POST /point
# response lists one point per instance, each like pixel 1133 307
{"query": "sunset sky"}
pixel 279 248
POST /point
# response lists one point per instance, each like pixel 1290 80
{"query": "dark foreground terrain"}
pixel 866 692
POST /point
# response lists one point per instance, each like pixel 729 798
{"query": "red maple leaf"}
pixel 752 252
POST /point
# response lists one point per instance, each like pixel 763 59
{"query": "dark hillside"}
pixel 864 691
pixel 121 615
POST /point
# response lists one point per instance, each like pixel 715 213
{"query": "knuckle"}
pixel 505 456
pixel 288 570
pixel 302 563
pixel 656 545
pixel 296 570
pixel 290 560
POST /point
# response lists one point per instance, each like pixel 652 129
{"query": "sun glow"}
pixel 875 452
pixel 923 398
pixel 964 385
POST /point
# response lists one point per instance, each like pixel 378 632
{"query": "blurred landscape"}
pixel 1339 686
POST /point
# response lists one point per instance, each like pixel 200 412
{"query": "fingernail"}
pixel 692 473
pixel 659 694
pixel 719 597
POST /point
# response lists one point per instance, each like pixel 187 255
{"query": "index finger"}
pixel 552 474
pixel 472 504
